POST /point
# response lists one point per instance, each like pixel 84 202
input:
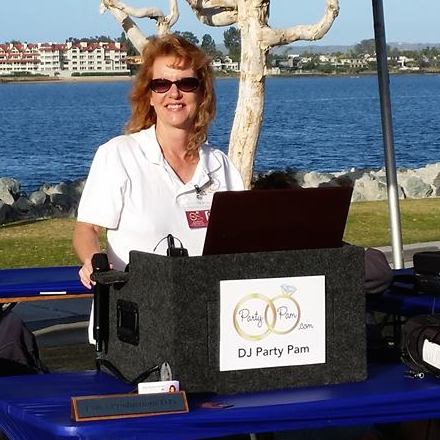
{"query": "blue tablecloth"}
pixel 37 280
pixel 38 407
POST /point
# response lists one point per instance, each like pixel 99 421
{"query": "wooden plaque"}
pixel 118 406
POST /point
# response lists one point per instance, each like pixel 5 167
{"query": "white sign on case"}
pixel 272 322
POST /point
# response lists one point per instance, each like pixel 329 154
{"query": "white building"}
pixel 51 58
pixel 225 64
pixel 63 59
pixel 18 58
pixel 95 57
pixel 406 63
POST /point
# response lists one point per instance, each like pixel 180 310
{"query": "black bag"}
pixel 19 352
pixel 427 272
pixel 421 332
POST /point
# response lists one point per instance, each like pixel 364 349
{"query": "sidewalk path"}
pixel 59 322
pixel 409 250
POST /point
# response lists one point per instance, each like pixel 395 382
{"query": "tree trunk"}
pixel 249 114
pixel 248 118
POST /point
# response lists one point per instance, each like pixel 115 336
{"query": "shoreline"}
pixel 120 78
pixel 67 79
pixel 28 188
pixel 356 172
pixel 62 199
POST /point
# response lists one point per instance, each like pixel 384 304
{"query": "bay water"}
pixel 50 131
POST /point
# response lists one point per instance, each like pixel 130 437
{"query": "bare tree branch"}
pixel 153 13
pixel 276 37
pixel 228 4
pixel 134 34
pixel 121 11
pixel 215 12
pixel 174 13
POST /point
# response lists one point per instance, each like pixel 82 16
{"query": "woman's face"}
pixel 174 108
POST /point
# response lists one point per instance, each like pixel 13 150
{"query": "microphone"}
pixel 172 251
pixel 101 302
pixel 171 245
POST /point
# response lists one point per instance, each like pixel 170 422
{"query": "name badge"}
pixel 197 218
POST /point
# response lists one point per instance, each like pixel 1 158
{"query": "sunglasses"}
pixel 161 85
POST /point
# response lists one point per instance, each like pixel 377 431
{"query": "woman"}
pixel 158 178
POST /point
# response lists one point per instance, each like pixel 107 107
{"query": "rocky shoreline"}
pixel 49 201
pixel 61 200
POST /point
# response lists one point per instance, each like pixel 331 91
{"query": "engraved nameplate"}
pixel 117 406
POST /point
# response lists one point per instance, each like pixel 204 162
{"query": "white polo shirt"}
pixel 133 193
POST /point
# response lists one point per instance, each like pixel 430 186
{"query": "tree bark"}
pixel 250 104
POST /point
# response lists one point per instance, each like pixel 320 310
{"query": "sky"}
pixel 406 21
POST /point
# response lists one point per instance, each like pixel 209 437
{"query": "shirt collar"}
pixel 149 145
pixel 208 162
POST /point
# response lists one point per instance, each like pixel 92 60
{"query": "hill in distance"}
pixel 316 48
pixel 295 48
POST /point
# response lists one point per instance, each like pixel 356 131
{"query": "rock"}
pixel 75 189
pixel 428 173
pixel 23 205
pixel 61 201
pixel 415 187
pixel 38 198
pixel 61 188
pixel 383 180
pixel 314 179
pixel 46 188
pixel 370 188
pixel 5 213
pixel 9 190
pixel 436 185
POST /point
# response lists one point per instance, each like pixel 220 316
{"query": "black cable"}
pixel 116 372
pixel 165 238
pixel 159 242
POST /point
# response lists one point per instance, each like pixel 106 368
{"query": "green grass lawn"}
pixel 40 243
pixel 48 242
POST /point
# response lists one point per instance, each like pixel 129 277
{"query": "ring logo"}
pixel 256 315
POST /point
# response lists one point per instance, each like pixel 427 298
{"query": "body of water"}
pixel 49 132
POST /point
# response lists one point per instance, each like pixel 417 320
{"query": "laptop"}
pixel 277 220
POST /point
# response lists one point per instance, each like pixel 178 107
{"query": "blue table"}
pixel 40 283
pixel 38 407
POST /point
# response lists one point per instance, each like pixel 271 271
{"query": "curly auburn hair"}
pixel 187 55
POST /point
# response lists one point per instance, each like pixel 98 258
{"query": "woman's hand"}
pixel 85 272
pixel 86 244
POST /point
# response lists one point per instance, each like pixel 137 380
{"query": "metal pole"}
pixel 387 132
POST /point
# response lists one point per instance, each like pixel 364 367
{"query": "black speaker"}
pixel 169 311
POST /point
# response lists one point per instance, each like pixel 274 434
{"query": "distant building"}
pixel 406 63
pixel 225 64
pixel 63 58
pixel 354 63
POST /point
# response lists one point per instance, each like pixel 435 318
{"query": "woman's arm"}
pixel 86 244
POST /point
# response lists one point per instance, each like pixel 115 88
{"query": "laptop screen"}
pixel 275 220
